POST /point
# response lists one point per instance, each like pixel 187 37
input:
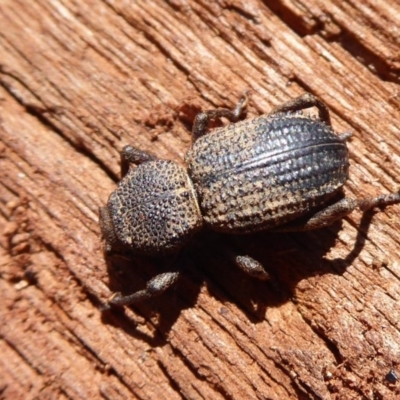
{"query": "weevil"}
pixel 283 171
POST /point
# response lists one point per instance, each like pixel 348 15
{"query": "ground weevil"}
pixel 281 172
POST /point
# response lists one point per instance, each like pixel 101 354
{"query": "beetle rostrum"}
pixel 281 172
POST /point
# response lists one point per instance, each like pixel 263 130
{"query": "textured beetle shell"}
pixel 154 207
pixel 261 173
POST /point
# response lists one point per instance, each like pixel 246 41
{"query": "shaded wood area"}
pixel 78 81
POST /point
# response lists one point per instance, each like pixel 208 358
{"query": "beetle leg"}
pixel 132 155
pixel 202 119
pixel 345 136
pixel 379 201
pixel 155 287
pixel 325 217
pixel 107 229
pixel 252 267
pixel 302 102
pixel 338 210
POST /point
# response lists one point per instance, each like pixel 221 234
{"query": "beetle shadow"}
pixel 287 257
pixel 129 273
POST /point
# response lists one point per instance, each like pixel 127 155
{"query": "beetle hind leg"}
pixel 380 201
pixel 338 210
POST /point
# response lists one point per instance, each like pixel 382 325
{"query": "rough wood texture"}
pixel 80 79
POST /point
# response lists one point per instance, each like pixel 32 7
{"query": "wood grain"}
pixel 79 80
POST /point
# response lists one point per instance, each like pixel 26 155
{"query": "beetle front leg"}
pixel 155 287
pixel 252 267
pixel 107 229
pixel 202 119
pixel 132 155
pixel 302 102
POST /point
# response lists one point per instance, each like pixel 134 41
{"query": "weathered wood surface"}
pixel 80 79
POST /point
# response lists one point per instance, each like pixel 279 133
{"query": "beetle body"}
pixel 262 173
pixel 280 171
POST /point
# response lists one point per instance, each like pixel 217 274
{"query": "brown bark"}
pixel 80 79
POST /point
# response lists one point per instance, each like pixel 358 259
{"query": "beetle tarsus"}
pixel 379 201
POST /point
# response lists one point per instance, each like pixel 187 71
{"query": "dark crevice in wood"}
pixel 39 114
pixel 172 381
pixel 367 58
pixel 289 18
pixel 348 41
pixel 243 13
pixel 193 368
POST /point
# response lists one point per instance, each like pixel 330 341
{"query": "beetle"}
pixel 283 171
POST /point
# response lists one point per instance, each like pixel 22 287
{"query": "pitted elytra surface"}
pixel 261 173
pixel 283 171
